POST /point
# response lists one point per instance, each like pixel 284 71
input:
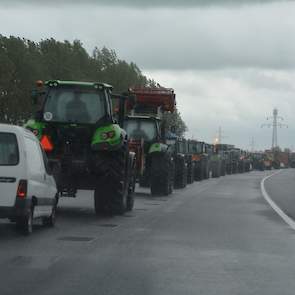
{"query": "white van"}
pixel 27 188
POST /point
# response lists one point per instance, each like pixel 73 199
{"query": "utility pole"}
pixel 252 144
pixel 220 136
pixel 274 125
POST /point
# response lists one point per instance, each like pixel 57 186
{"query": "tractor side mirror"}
pixel 132 100
pixel 34 95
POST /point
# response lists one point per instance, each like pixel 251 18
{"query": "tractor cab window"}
pixel 68 105
pixel 141 129
pixel 181 147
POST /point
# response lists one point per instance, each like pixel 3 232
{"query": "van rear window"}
pixel 9 154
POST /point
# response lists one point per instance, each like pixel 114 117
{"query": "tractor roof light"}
pixel 39 83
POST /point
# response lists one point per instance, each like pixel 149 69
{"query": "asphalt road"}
pixel 281 189
pixel 214 237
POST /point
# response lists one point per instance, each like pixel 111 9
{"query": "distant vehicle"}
pixel 292 160
pixel 27 188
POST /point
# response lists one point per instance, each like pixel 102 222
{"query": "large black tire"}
pixel 234 168
pixel 190 172
pixel 131 183
pixel 50 220
pixel 216 169
pixel 25 223
pixel 198 175
pixel 161 174
pixel 180 179
pixel 247 166
pixel 206 170
pixel 228 169
pixel 241 166
pixel 223 168
pixel 111 192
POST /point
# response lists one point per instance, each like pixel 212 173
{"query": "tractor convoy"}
pixel 105 142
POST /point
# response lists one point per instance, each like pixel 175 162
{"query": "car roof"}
pixel 16 130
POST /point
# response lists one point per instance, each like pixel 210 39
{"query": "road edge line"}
pixel 273 205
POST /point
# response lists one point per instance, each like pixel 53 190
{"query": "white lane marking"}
pixel 273 205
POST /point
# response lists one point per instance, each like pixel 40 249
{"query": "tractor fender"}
pixel 158 148
pixel 110 137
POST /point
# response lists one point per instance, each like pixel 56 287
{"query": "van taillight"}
pixel 46 143
pixel 22 189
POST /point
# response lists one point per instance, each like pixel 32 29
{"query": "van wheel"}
pixel 25 224
pixel 50 221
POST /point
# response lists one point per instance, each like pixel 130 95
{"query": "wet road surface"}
pixel 281 189
pixel 214 237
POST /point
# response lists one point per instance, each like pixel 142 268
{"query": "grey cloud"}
pixel 142 3
pixel 209 99
pixel 215 38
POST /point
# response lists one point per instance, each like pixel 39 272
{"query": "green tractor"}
pixel 292 160
pixel 147 138
pixel 257 161
pixel 85 145
pixel 247 161
pixel 222 150
pixel 200 159
pixel 235 160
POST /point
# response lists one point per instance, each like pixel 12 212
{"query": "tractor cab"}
pixel 68 102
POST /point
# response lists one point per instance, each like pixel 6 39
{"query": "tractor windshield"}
pixel 141 129
pixel 71 105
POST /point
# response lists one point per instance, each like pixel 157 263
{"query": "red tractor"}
pixel 146 131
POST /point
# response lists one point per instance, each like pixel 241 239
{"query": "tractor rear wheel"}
pixel 111 192
pixel 190 172
pixel 180 179
pixel 161 174
pixel 206 169
pixel 131 184
pixel 223 168
pixel 198 174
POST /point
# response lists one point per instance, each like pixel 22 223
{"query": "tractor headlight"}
pixel 107 135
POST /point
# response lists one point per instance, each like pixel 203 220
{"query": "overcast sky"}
pixel 230 62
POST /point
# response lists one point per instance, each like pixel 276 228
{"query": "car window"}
pixel 35 160
pixel 9 154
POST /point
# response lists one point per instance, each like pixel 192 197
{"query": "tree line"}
pixel 23 61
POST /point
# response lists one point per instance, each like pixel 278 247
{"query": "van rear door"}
pixel 10 168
